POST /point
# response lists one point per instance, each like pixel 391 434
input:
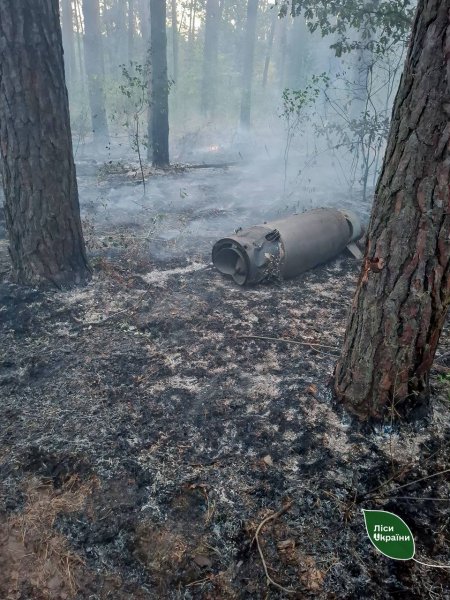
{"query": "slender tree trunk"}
pixel 282 52
pixel 249 53
pixel 403 290
pixel 68 41
pixel 191 34
pixel 148 62
pixel 41 198
pixel 109 44
pixel 120 21
pixel 95 69
pixel 297 49
pixel 131 29
pixel 210 54
pixel 81 69
pixel 364 60
pixel 160 84
pixel 269 46
pixel 144 20
pixel 175 40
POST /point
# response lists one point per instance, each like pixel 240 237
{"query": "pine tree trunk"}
pixel 175 40
pixel 282 44
pixel 130 30
pixel 79 28
pixel 68 41
pixel 249 53
pixel 269 46
pixel 41 196
pixel 210 53
pixel 120 22
pixel 160 84
pixel 403 290
pixel 93 53
pixel 144 19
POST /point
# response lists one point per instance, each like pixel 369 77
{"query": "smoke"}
pixel 184 211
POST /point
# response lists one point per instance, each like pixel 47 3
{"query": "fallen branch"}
pixel 211 165
pixel 272 517
pixel 311 345
pixel 272 339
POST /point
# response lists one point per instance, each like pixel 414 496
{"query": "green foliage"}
pixel 296 101
pixel 389 19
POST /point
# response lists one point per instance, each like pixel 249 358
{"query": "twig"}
pixel 441 368
pixel 261 337
pixel 422 479
pixel 211 165
pixel 402 471
pixel 115 314
pixel 272 517
pixel 200 581
pixel 286 341
pixel 411 498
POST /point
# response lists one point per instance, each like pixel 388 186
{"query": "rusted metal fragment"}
pixel 286 247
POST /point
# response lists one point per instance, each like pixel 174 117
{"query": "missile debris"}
pixel 286 247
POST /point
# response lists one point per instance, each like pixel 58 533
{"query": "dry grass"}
pixel 33 554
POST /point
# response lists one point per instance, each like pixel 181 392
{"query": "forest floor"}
pixel 145 435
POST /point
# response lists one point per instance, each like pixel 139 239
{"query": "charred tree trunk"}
pixel 68 41
pixel 403 290
pixel 210 53
pixel 95 70
pixel 41 196
pixel 160 84
pixel 249 54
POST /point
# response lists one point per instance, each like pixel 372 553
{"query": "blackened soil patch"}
pixel 155 442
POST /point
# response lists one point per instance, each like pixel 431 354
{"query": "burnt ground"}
pixel 144 438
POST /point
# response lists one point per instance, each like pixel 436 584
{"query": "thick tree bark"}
pixel 403 290
pixel 249 54
pixel 160 84
pixel 41 197
pixel 210 54
pixel 93 54
pixel 68 41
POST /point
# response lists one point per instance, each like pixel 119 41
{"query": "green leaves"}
pixel 389 534
pixel 391 21
pixel 295 101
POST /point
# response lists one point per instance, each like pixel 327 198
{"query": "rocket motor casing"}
pixel 286 247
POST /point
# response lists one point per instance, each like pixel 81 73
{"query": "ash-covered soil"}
pixel 146 435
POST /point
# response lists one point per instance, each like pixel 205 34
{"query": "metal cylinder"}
pixel 286 247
